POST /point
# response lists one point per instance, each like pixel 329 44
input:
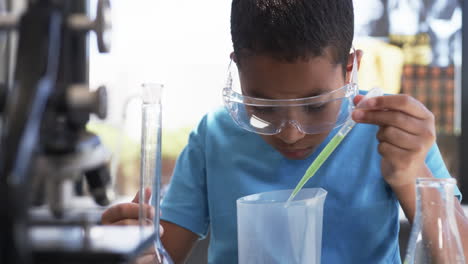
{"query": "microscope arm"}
pixel 36 72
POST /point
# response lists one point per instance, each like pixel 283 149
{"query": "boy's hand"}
pixel 127 213
pixel 406 134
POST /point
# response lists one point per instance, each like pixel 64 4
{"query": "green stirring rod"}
pixel 330 147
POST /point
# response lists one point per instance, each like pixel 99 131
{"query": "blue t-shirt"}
pixel 222 162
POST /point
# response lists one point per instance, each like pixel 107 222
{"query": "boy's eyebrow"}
pixel 317 92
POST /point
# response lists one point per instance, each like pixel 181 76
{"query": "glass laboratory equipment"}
pixel 434 235
pixel 150 176
pixel 271 232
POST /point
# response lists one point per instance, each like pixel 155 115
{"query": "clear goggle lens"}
pixel 312 115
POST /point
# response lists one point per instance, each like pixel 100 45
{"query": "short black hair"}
pixel 289 30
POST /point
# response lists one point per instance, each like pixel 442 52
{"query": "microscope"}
pixel 46 153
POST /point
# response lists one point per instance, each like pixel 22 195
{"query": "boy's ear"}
pixel 349 67
pixel 233 57
pixel 357 53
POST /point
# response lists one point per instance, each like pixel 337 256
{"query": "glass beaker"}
pixel 270 232
pixel 434 234
pixel 150 176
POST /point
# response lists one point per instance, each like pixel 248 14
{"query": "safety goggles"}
pixel 311 115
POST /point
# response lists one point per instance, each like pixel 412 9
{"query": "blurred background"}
pixel 179 44
pixel 410 46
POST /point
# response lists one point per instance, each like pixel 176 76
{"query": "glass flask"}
pixel 150 176
pixel 434 235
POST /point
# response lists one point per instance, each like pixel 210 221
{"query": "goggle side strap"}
pixel 354 72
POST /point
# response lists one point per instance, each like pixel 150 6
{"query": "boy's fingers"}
pixel 147 196
pixel 391 118
pixel 127 222
pixel 125 211
pixel 120 212
pixel 399 138
pixel 399 102
pixel 390 151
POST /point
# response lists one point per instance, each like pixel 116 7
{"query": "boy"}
pixel 291 51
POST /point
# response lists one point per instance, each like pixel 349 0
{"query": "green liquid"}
pixel 313 168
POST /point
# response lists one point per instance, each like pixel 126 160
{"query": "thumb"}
pixel 161 230
pixel 146 197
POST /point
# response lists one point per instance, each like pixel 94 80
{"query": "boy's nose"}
pixel 290 133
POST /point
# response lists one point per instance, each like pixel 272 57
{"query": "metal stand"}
pixel 464 123
pixel 44 145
